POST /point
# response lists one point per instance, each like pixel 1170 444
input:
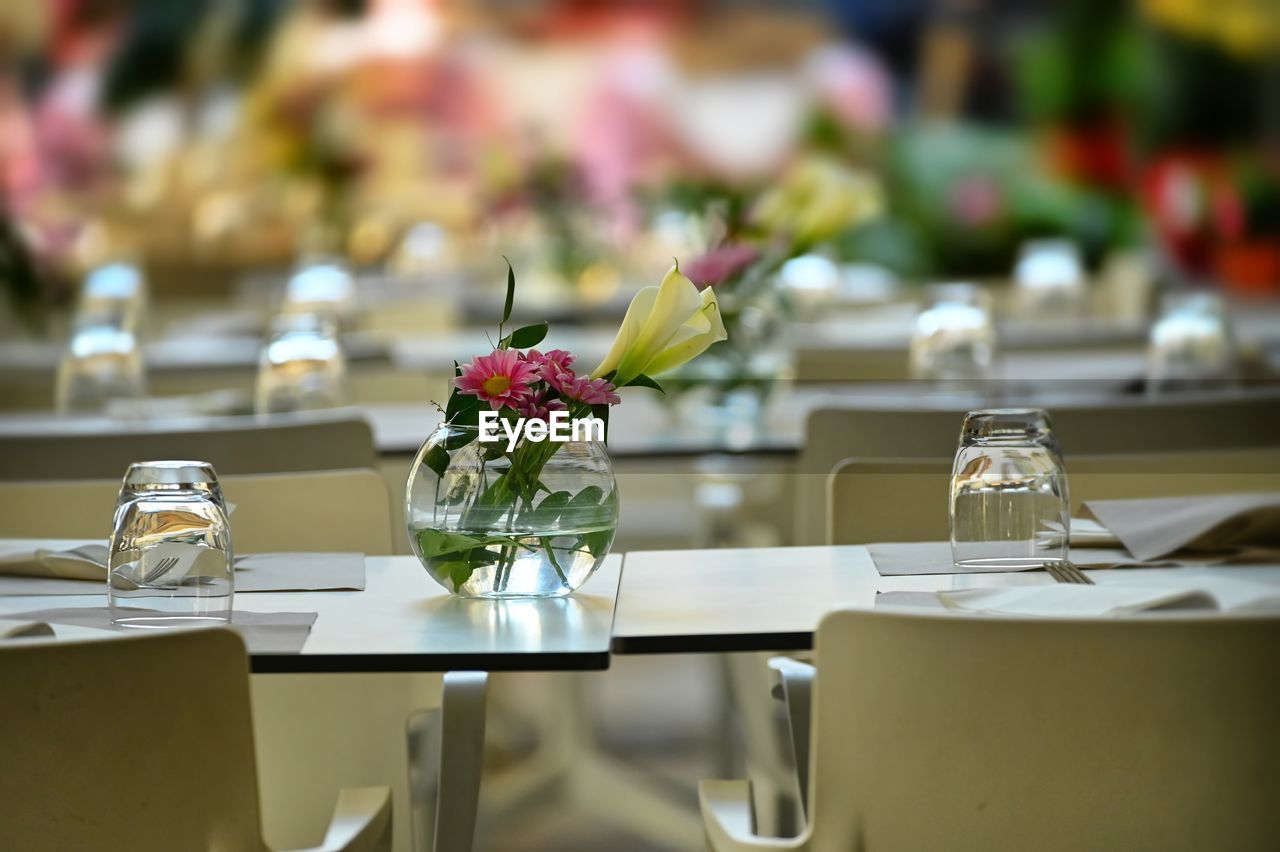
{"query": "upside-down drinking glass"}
pixel 1050 281
pixel 954 337
pixel 103 362
pixel 171 561
pixel 302 367
pixel 1191 346
pixel 1009 500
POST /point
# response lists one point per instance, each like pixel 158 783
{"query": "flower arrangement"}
pixel 533 514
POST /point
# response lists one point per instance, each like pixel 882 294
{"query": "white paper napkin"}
pixel 10 629
pixel 1071 600
pixel 1154 528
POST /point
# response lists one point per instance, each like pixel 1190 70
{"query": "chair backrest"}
pixel 966 733
pixel 233 444
pixel 133 743
pixel 906 499
pixel 1124 426
pixel 329 510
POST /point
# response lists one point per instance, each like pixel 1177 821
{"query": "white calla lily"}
pixel 665 326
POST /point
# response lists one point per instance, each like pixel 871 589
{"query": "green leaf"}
pixel 437 458
pixel 511 292
pixel 545 514
pixel 433 543
pixel 643 381
pixel 587 498
pixel 597 543
pixel 458 572
pixel 529 335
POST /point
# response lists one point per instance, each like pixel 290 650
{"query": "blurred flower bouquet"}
pixel 815 200
pixel 514 494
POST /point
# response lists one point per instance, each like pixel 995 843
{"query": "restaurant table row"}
pixel 655 602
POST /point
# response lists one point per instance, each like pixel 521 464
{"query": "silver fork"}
pixel 1067 572
pixel 161 568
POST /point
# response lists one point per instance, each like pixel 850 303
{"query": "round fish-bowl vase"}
pixel 488 522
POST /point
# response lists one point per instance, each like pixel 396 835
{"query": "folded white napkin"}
pixel 1157 527
pixel 86 562
pixel 1071 600
pixel 10 629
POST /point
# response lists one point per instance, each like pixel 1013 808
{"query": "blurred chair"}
pixel 873 500
pixel 1124 426
pixel 144 743
pixel 1154 733
pixel 316 731
pixel 326 510
pixel 232 444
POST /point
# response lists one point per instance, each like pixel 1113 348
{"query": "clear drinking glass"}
pixel 322 287
pixel 115 293
pixel 1009 500
pixel 171 561
pixel 302 367
pixel 954 337
pixel 1050 281
pixel 1192 346
pixel 103 362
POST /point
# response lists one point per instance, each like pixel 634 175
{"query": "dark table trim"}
pixel 427 663
pixel 717 643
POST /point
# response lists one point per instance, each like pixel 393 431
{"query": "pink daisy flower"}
pixel 538 407
pixel 586 389
pixel 553 361
pixel 499 378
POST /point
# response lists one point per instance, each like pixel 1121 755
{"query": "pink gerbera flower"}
pixel 538 407
pixel 585 389
pixel 552 362
pixel 499 378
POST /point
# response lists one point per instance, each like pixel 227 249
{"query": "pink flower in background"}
pixel 720 264
pixel 500 378
pixel 854 85
pixel 538 407
pixel 586 389
pixel 975 201
pixel 549 364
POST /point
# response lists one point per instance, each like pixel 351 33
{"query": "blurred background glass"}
pixel 102 364
pixel 1192 346
pixel 302 367
pixel 171 561
pixel 954 338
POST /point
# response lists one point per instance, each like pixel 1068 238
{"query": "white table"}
pixel 771 599
pixel 404 622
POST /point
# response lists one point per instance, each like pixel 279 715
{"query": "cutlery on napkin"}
pixel 1130 597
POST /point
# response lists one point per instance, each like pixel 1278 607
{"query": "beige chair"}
pixel 329 510
pixel 314 731
pixel 906 499
pixel 1156 733
pixel 321 441
pixel 143 744
pixel 1122 426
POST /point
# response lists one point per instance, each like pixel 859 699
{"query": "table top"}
pixel 771 599
pixel 404 622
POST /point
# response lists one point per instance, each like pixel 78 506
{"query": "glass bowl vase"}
pixel 492 521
